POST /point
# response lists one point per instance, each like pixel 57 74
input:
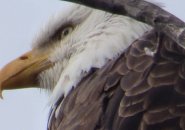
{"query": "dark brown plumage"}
pixel 135 92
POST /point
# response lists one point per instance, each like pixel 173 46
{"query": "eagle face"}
pixel 68 47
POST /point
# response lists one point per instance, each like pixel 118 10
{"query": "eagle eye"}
pixel 62 32
pixel 67 30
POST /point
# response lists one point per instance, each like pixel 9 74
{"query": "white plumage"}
pixel 96 37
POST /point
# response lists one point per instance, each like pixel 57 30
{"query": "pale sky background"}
pixel 20 20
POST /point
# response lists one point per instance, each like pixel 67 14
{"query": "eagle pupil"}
pixel 66 32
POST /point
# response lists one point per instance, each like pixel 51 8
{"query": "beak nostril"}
pixel 23 57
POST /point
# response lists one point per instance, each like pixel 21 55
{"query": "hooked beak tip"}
pixel 1 95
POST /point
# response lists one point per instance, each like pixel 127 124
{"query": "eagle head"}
pixel 67 48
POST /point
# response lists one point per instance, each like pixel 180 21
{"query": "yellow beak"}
pixel 23 71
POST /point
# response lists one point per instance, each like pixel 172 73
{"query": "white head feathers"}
pixel 97 37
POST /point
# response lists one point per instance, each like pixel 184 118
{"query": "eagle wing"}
pixel 141 90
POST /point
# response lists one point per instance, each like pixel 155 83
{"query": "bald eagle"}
pixel 104 72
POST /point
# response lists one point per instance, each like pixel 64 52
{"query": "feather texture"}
pixel 114 98
pixel 109 76
pixel 97 37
